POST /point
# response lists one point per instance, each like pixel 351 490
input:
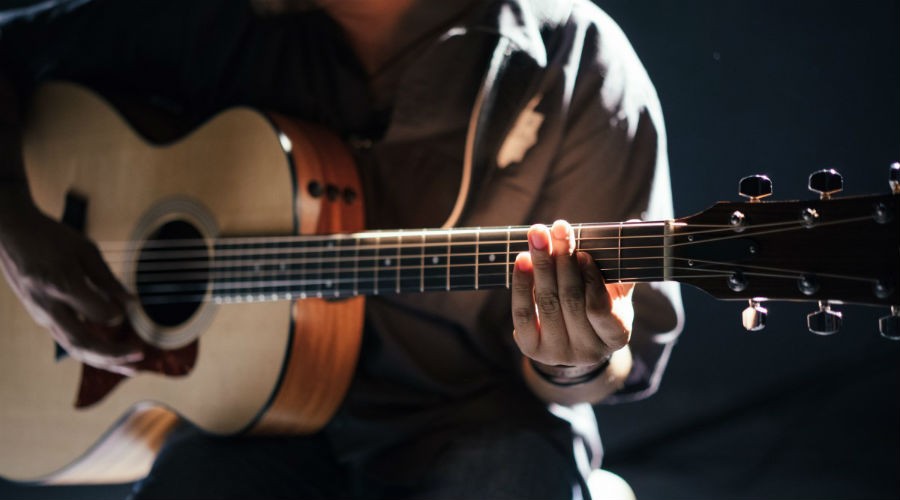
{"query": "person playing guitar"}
pixel 457 114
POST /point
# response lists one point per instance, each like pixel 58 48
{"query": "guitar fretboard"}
pixel 388 262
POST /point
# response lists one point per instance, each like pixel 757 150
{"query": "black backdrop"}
pixel 781 88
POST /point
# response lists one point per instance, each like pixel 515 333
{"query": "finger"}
pixel 120 339
pixel 98 272
pixel 86 299
pixel 526 332
pixel 598 302
pixel 85 343
pixel 584 344
pixel 553 340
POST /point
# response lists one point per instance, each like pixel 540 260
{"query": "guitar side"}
pixel 248 374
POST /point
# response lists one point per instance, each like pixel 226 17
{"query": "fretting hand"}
pixel 564 313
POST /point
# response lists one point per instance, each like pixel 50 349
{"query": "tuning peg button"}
pixel 754 317
pixel 889 325
pixel 755 187
pixel 825 321
pixel 826 182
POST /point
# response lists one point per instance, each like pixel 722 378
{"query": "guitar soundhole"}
pixel 172 273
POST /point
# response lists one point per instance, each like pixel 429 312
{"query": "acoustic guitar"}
pixel 237 238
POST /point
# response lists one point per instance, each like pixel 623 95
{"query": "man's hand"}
pixel 66 286
pixel 563 311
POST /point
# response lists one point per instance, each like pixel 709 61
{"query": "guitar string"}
pixel 337 259
pixel 395 272
pixel 154 266
pixel 336 277
pixel 258 252
pixel 262 294
pixel 333 240
pixel 202 251
pixel 396 278
pixel 128 246
pixel 238 272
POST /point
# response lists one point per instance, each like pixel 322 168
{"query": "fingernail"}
pixel 537 239
pixel 560 230
pixel 523 263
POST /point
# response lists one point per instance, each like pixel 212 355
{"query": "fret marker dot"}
pixel 387 262
pixel 282 266
pixel 492 257
pixel 435 260
pixel 327 283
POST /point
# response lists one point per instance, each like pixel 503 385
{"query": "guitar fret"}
pixel 641 256
pixel 345 275
pixel 435 252
pixel 477 254
pixel 619 243
pixel 367 274
pixel 508 237
pixel 387 265
pixel 410 262
pixel 492 267
pixel 447 262
pixel 399 263
pixel 356 267
pixel 463 261
pixel 422 266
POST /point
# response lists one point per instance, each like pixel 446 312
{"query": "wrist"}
pixel 566 375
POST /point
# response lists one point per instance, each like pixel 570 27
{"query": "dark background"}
pixel 781 88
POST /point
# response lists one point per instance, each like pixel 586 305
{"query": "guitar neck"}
pixel 389 262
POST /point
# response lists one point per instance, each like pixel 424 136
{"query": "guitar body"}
pixel 267 367
pixel 220 232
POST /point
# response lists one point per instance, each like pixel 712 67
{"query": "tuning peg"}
pixel 889 325
pixel 826 182
pixel 894 178
pixel 824 321
pixel 755 187
pixel 754 316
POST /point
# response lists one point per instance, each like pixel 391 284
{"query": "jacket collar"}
pixel 521 22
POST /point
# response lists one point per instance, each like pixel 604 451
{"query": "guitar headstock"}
pixel 828 251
